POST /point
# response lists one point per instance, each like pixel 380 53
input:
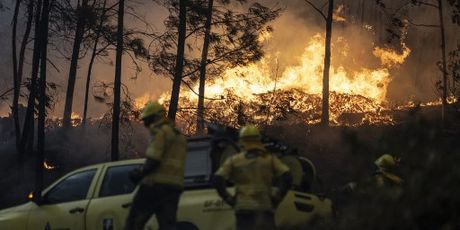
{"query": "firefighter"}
pixel 161 177
pixel 385 175
pixel 252 171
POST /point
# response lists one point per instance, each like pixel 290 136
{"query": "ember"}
pixel 48 166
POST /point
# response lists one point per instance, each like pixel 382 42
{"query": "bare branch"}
pixel 5 94
pixel 428 4
pixel 54 65
pixel 317 9
pixel 193 91
pixel 422 25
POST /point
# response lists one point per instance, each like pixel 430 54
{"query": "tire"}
pixel 186 226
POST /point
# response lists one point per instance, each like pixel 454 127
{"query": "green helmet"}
pixel 249 132
pixel 152 109
pixel 385 161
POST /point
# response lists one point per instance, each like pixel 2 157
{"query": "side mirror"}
pixel 35 197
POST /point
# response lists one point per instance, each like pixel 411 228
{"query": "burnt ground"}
pixel 430 157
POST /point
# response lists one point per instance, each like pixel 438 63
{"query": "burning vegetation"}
pixel 258 93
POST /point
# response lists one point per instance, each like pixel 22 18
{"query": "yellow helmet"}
pixel 249 132
pixel 152 109
pixel 386 161
pixel 250 138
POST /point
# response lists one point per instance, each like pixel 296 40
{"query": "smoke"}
pixel 64 152
pixel 138 83
pixel 413 80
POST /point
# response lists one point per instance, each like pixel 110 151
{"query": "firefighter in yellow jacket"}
pixel 252 171
pixel 162 176
pixel 385 175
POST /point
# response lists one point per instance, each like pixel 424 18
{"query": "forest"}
pixel 341 81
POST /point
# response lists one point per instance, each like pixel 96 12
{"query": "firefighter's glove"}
pixel 135 175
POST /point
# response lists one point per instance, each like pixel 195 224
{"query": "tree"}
pixel 16 81
pixel 179 60
pixel 444 67
pixel 117 83
pixel 233 41
pixel 327 59
pixel 42 100
pixel 204 60
pixel 78 38
pixel 439 7
pixel 93 57
pixel 27 140
pixel 453 68
pixel 18 64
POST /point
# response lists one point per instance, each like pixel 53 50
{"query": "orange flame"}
pixel 389 57
pixel 48 166
pixel 140 102
pixel 338 14
pixel 264 96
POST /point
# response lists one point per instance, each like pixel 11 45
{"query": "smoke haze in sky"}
pixel 413 80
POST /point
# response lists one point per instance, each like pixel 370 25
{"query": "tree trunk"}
pixel 179 61
pixel 444 68
pixel 79 32
pixel 204 62
pixel 91 63
pixel 20 71
pixel 117 85
pixel 42 99
pixel 16 81
pixel 327 64
pixel 27 140
pixel 363 10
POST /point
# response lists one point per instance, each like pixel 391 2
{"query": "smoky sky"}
pixel 414 80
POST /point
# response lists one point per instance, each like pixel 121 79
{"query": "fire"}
pixel 389 57
pixel 75 116
pixel 256 93
pixel 75 119
pixel 264 36
pixel 140 102
pixel 338 14
pixel 247 81
pixel 48 166
pixel 410 104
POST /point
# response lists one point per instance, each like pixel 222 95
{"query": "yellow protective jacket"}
pixel 169 147
pixel 253 178
pixel 384 178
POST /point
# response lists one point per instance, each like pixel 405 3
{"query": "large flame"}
pixel 258 93
pixel 257 78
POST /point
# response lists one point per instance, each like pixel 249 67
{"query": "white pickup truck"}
pixel 99 197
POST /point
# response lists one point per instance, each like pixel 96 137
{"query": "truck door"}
pixel 110 207
pixel 64 205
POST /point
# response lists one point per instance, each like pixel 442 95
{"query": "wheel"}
pixel 186 226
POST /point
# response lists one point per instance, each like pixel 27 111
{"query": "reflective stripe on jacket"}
pixel 169 147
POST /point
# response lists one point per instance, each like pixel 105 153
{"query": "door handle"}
pixel 76 210
pixel 127 205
